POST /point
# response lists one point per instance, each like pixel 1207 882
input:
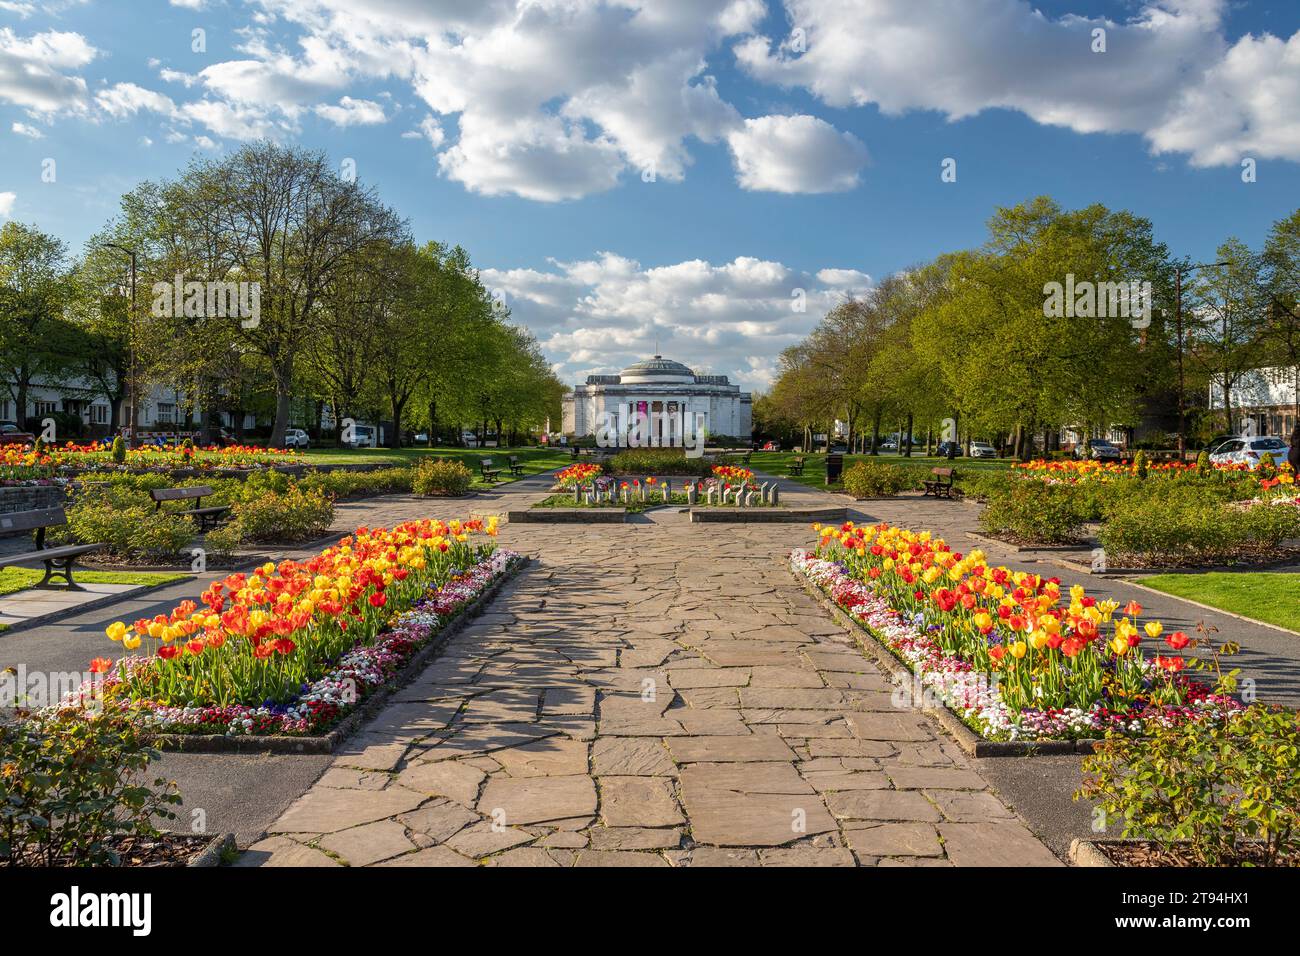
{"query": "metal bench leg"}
pixel 65 572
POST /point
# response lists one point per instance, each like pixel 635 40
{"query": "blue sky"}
pixel 794 145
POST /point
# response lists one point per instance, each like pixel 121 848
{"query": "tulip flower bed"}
pixel 1011 654
pixel 291 648
pixel 25 463
pixel 1072 471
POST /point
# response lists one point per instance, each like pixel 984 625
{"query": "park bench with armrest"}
pixel 796 468
pixel 58 560
pixel 205 517
pixel 516 469
pixel 487 471
pixel 941 486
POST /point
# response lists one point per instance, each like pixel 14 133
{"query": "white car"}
pixel 1250 451
pixel 296 438
pixel 982 449
pixel 1098 449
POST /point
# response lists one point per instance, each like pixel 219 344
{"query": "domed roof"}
pixel 657 369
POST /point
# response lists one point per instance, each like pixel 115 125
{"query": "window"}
pixel 44 409
pixel 6 410
pixel 166 413
pixel 99 414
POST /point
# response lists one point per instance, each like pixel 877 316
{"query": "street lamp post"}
pixel 134 380
pixel 1178 317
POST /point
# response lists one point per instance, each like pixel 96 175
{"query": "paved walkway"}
pixel 650 694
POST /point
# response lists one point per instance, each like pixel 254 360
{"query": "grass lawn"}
pixel 1271 597
pixel 16 579
pixel 533 460
pixel 814 468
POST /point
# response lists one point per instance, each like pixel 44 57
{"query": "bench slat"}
pixel 180 494
pixel 48 554
pixel 31 520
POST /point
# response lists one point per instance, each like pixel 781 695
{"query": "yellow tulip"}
pixel 116 631
pixel 1154 629
pixel 1018 649
pixel 131 642
pixel 1119 645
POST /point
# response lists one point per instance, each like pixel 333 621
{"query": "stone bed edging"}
pixel 968 740
pixel 768 514
pixel 211 854
pixel 1114 572
pixel 367 708
pixel 567 516
pixel 1090 853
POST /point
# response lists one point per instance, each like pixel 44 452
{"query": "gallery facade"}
pixel 666 393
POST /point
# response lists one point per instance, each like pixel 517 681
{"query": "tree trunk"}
pixel 908 436
pixel 283 385
pixel 433 423
pixel 875 433
pixel 397 406
pixel 20 411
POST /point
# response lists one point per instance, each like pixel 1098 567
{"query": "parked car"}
pixel 889 445
pixel 1098 449
pixel 363 436
pixel 11 434
pixel 1249 451
pixel 982 449
pixel 296 438
pixel 949 449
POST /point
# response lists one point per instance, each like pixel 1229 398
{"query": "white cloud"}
pixel 350 112
pixel 127 99
pixel 429 129
pixel 7 204
pixel 602 314
pixel 796 154
pixel 32 70
pixel 24 129
pixel 1167 73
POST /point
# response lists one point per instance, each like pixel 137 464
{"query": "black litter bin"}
pixel 834 469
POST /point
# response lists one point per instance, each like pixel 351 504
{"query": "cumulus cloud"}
pixel 7 201
pixel 1167 73
pixel 796 154
pixel 25 129
pixel 600 315
pixel 350 112
pixel 33 70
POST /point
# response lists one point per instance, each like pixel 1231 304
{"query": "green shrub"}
pixel 1204 467
pixel 1140 466
pixel 297 515
pixel 353 484
pixel 264 481
pixel 441 477
pixel 1037 513
pixel 983 483
pixel 869 479
pixel 130 530
pixel 70 788
pixel 225 539
pixel 1223 787
pixel 118 454
pixel 1185 526
pixel 644 462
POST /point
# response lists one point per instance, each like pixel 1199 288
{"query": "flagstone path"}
pixel 650 694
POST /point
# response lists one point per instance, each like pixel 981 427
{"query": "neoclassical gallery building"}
pixel 655 387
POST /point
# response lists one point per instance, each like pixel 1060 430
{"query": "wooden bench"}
pixel 211 515
pixel 796 468
pixel 746 458
pixel 487 471
pixel 516 469
pixel 941 486
pixel 57 560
